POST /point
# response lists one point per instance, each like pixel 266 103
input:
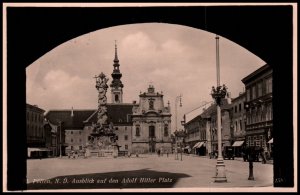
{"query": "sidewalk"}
pixel 168 172
pixel 235 158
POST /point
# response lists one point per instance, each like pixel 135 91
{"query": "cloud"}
pixel 176 59
pixel 60 90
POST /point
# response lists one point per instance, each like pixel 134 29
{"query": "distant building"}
pixel 35 131
pixel 140 128
pixel 196 135
pixel 51 141
pixel 202 130
pixel 259 108
pixel 151 124
pixel 238 122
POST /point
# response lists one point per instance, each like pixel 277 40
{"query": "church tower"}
pixel 116 84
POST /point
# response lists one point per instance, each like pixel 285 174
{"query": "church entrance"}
pixel 152 139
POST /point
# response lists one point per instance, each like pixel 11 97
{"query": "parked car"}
pixel 228 152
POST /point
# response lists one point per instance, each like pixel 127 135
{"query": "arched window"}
pixel 166 130
pixel 116 98
pixel 151 105
pixel 137 130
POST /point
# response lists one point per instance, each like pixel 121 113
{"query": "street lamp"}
pixel 218 94
pixel 60 151
pixel 178 98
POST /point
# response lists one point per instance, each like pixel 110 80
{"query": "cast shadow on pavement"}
pixel 143 178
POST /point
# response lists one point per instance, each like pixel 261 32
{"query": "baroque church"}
pixel 143 127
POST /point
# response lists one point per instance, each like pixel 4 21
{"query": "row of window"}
pixel 151 130
pixel 238 108
pixel 259 89
pixel 260 114
pixel 71 132
pixel 35 130
pixel 256 140
pixel 201 134
pixel 34 117
pixel 238 125
pixel 72 140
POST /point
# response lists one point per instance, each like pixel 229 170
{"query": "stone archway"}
pixel 267 33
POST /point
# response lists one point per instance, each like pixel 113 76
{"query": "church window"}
pixel 151 131
pixel 151 105
pixel 166 130
pixel 137 130
pixel 116 98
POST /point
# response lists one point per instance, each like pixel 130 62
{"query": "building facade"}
pixel 51 134
pixel 35 126
pixel 259 109
pixel 238 122
pixel 202 130
pixel 151 124
pixel 196 138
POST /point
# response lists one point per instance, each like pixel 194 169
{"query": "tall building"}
pixel 238 122
pixel 35 131
pixel 259 109
pixel 202 130
pixel 116 84
pixel 151 123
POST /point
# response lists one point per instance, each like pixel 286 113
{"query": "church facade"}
pixel 140 128
pixel 151 124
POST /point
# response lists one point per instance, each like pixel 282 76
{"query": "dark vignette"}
pixel 264 30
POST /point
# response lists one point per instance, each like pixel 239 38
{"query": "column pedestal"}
pixel 220 172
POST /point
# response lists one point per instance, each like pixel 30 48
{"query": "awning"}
pixel 29 150
pixel 270 141
pixel 238 143
pixel 200 145
pixel 196 144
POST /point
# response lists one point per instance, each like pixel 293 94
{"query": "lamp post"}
pixel 178 98
pixel 218 94
pixel 60 151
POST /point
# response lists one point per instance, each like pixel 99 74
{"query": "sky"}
pixel 175 59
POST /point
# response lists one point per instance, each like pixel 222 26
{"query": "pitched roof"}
pixel 69 122
pixel 117 113
pixel 257 72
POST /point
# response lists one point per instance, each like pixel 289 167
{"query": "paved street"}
pixel 146 171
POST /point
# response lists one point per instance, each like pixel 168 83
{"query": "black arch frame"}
pixel 264 30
